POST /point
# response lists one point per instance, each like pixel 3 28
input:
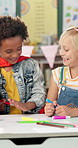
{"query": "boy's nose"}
pixel 15 54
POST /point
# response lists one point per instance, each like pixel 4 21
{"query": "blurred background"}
pixel 46 20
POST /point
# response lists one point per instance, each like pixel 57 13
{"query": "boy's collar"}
pixel 4 63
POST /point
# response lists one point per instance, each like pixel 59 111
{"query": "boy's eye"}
pixel 19 48
pixel 8 51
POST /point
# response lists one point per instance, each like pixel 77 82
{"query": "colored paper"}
pixel 27 50
pixel 50 53
pixel 8 7
pixel 70 14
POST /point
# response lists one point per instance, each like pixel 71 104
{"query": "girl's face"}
pixel 11 49
pixel 68 53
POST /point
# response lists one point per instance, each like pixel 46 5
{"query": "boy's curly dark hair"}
pixel 11 27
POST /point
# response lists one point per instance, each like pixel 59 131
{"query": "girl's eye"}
pixel 66 49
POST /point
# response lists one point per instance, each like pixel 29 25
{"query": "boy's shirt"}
pixel 11 89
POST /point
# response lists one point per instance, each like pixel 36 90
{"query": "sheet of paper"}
pixel 9 124
pixel 50 53
pixel 27 50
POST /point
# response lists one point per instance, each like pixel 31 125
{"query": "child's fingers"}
pixel 55 103
pixel 49 109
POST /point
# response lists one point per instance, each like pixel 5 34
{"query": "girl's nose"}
pixel 61 52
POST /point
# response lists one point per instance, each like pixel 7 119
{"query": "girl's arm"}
pixel 52 95
pixel 53 90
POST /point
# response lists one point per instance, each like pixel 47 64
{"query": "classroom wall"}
pixel 40 17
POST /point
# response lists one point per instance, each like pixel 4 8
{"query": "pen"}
pixel 49 101
pixel 53 125
pixel 61 117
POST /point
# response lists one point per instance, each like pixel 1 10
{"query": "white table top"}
pixel 10 128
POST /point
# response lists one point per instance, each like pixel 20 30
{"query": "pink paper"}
pixel 27 50
pixel 50 53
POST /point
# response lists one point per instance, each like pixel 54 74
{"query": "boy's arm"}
pixel 38 91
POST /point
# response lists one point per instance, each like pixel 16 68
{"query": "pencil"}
pixel 57 123
pixel 53 125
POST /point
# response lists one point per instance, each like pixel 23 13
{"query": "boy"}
pixel 21 81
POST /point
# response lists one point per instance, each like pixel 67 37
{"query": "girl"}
pixel 63 91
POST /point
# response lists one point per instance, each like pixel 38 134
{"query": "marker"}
pixel 57 123
pixel 31 121
pixel 28 119
pixel 61 117
pixel 49 101
pixel 7 103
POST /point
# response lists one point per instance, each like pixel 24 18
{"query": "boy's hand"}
pixel 19 105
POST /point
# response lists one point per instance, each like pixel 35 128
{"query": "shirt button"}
pixel 63 88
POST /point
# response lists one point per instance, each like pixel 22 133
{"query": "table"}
pixel 31 135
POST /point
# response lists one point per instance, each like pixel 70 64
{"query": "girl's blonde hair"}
pixel 71 32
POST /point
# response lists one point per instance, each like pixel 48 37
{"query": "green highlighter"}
pixel 61 124
pixel 31 121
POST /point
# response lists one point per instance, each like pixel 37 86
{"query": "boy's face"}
pixel 68 53
pixel 11 49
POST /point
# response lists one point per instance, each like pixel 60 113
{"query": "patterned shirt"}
pixel 64 78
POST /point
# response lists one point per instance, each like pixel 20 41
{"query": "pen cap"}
pixel 67 117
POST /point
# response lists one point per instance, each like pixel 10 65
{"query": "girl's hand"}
pixel 63 110
pixel 49 109
pixel 2 101
pixel 19 105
